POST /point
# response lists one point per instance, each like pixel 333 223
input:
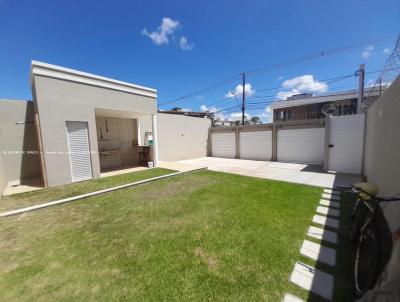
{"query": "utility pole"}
pixel 360 73
pixel 243 97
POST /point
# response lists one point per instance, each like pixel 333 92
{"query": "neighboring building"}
pixel 80 125
pixel 180 111
pixel 222 123
pixel 306 106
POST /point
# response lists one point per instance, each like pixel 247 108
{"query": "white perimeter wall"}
pixel 181 137
pixel 382 149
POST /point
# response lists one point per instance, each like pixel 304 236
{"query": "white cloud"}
pixel 204 108
pixel 366 53
pixel 217 113
pixel 305 83
pixel 386 51
pixel 237 116
pixel 186 110
pixel 184 44
pixel 301 84
pixel 280 78
pixel 266 115
pixel 283 95
pixel 163 33
pixel 249 91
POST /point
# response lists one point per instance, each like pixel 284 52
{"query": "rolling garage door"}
pixel 79 151
pixel 301 145
pixel 223 144
pixel 256 145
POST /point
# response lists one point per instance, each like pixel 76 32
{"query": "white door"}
pixel 79 151
pixel 301 145
pixel 346 143
pixel 223 144
pixel 256 145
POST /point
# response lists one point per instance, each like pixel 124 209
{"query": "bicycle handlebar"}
pixel 361 190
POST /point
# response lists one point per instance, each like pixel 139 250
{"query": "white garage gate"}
pixel 346 143
pixel 256 145
pixel 223 144
pixel 301 145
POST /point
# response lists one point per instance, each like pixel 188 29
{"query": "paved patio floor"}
pixel 296 173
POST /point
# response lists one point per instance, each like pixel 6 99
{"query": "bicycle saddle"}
pixel 368 187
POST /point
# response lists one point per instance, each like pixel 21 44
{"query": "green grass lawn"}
pixel 194 237
pixel 35 197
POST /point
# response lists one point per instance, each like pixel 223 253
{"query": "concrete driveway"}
pixel 296 173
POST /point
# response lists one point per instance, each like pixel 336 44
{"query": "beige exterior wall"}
pixel 3 181
pixel 17 137
pixel 382 149
pixel 59 101
pixel 182 137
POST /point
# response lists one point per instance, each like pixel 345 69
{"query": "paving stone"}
pixel 326 221
pixel 318 252
pixel 322 234
pixel 328 211
pixel 291 298
pixel 314 280
pixel 329 203
pixel 330 196
pixel 331 191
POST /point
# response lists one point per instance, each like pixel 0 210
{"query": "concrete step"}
pixel 318 252
pixel 291 298
pixel 314 280
pixel 326 221
pixel 328 211
pixel 332 191
pixel 330 196
pixel 329 203
pixel 321 234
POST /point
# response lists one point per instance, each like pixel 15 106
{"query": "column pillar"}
pixel 155 139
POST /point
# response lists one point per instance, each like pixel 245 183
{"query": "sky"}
pixel 179 47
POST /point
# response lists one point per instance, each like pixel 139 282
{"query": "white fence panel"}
pixel 301 145
pixel 346 141
pixel 256 145
pixel 223 144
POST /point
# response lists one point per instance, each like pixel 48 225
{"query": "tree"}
pixel 254 120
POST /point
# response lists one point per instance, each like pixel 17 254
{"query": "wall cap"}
pixel 59 72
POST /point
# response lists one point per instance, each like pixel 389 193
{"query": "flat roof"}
pixel 337 96
pixel 59 72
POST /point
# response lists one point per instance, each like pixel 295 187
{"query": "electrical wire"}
pixel 292 62
pixel 327 81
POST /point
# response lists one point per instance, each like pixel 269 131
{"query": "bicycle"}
pixel 359 211
pixel 370 259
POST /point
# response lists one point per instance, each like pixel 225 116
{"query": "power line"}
pixel 328 81
pixel 254 72
pixel 312 57
pixel 215 86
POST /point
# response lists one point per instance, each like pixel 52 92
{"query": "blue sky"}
pixel 125 40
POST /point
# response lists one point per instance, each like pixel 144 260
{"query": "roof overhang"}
pixel 67 74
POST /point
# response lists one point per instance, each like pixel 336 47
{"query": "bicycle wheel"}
pixel 367 260
pixel 357 219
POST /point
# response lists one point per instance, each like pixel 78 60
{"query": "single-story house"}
pixel 79 125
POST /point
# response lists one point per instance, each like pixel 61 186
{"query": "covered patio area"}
pixel 125 140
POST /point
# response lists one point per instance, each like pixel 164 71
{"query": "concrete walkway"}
pixel 296 173
pixel 311 278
